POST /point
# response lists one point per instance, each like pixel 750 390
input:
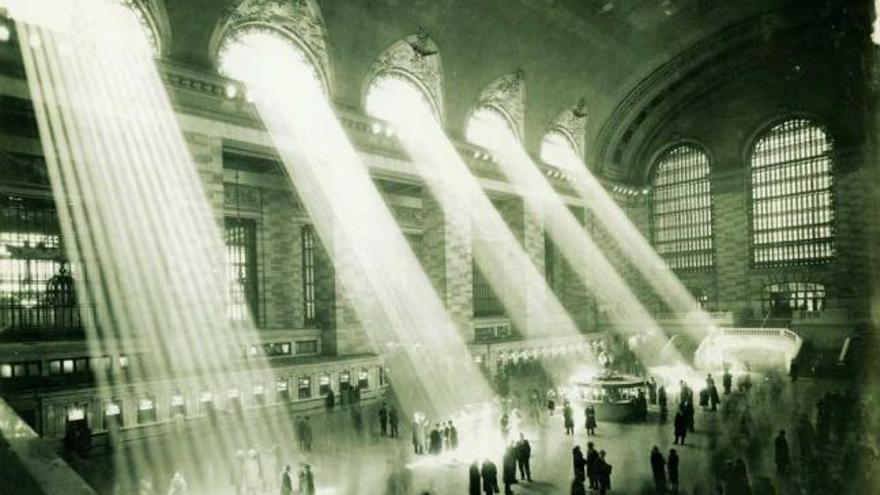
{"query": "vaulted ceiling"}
pixel 599 50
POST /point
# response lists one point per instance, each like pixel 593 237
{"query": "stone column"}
pixel 447 258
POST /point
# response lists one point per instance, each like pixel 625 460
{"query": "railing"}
pixel 42 318
pixel 747 336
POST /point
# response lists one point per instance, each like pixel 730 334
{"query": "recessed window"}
pixel 681 207
pixel 304 388
pixel 178 404
pixel 791 193
pixel 241 246
pixel 324 384
pixel 306 347
pixel 308 274
pixel 233 400
pixel 363 379
pixel 76 413
pixel 782 300
pixel 146 411
pixel 206 402
pixel 259 394
pixel 282 389
pixel 113 413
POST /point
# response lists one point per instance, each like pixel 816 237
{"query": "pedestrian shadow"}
pixel 539 487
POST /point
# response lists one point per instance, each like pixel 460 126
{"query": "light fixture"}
pixel 231 91
pixel 5 32
pixel 376 128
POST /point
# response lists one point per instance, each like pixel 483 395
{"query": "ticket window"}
pixel 304 388
pixel 363 379
pixel 282 388
pixel 344 380
pixel 146 411
pixel 324 384
pixel 178 404
pixel 206 401
pixel 76 414
pixel 233 398
pixel 113 414
pixel 259 395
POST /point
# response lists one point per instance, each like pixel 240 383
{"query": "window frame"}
pixel 781 167
pixel 309 274
pixel 656 163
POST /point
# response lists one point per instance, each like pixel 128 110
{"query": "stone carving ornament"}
pixel 299 19
pixel 573 122
pixel 417 58
pixel 507 94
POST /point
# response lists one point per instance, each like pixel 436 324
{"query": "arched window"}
pixel 490 128
pixel 392 96
pixel 558 150
pixel 146 23
pixel 240 54
pixel 791 182
pixel 681 201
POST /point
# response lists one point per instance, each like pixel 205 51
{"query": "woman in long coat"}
pixel 474 479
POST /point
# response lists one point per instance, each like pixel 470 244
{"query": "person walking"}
pixel 578 463
pixel 523 458
pixel 286 482
pixel 474 485
pixel 383 420
pixel 661 401
pixel 680 427
pixel 306 480
pixel 508 466
pixel 393 422
pixel 658 468
pixel 568 418
pixel 592 466
pixel 604 474
pixel 727 381
pixel 590 414
pixel 178 485
pixel 672 470
pixel 782 457
pixel 453 436
pixel 489 474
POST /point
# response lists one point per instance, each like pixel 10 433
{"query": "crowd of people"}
pixel 483 478
pixel 591 467
pixel 433 441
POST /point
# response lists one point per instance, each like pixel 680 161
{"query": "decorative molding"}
pixel 573 122
pixel 300 20
pixel 416 57
pixel 507 94
pixel 615 134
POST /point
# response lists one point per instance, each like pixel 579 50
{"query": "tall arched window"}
pixel 489 127
pixel 791 180
pixel 392 96
pixel 147 25
pixel 558 150
pixel 241 53
pixel 681 201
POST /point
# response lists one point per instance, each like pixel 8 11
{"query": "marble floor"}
pixel 347 463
